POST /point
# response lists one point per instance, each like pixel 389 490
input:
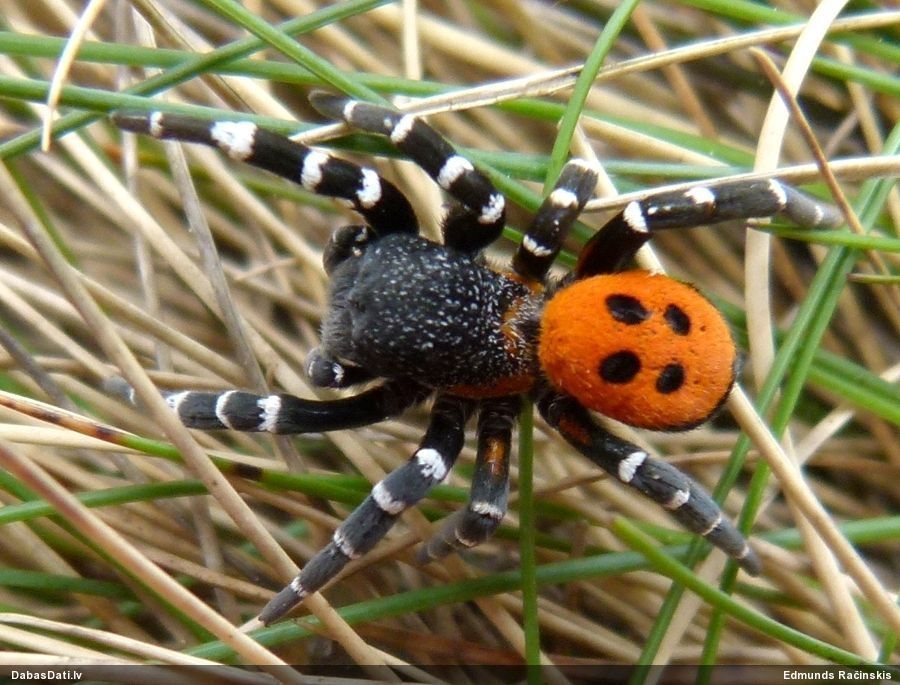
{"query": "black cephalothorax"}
pixel 409 307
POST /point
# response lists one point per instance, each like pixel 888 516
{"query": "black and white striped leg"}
pixel 488 497
pixel 382 205
pixel 554 218
pixel 286 414
pixel 485 213
pixel 372 519
pixel 683 498
pixel 614 245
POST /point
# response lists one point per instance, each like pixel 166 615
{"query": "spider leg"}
pixel 684 499
pixel 484 207
pixel 554 218
pixel 372 519
pixel 287 414
pixel 614 245
pixel 476 523
pixel 380 203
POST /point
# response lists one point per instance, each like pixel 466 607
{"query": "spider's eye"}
pixel 640 348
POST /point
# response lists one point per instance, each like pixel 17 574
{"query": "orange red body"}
pixel 640 348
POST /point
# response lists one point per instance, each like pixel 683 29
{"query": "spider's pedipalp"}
pixel 384 207
pixel 485 208
pixel 681 496
pixel 346 242
pixel 324 371
pixel 372 519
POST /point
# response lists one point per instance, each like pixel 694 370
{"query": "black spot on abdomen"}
pixel 678 320
pixel 670 379
pixel 620 367
pixel 627 309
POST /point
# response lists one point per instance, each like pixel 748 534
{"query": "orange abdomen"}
pixel 640 348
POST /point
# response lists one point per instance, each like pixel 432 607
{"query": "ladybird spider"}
pixel 433 319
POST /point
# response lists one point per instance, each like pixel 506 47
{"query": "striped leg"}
pixel 554 218
pixel 372 519
pixel 684 499
pixel 476 523
pixel 383 207
pixel 485 208
pixel 614 245
pixel 286 414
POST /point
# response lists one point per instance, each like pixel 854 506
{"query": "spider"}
pixel 435 320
